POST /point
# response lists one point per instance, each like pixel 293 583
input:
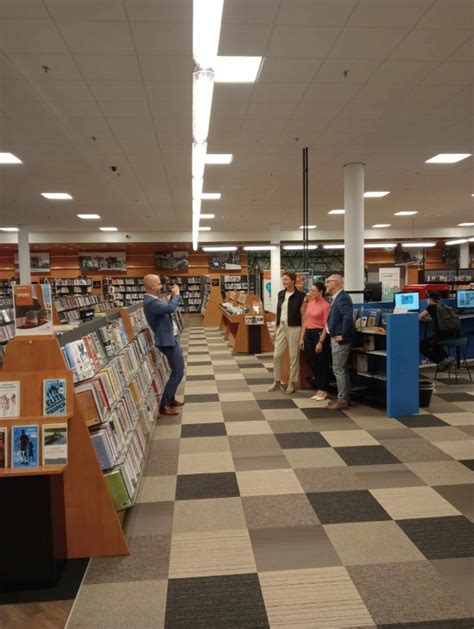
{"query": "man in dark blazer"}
pixel 340 327
pixel 158 311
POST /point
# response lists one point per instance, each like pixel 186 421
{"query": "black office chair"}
pixel 456 348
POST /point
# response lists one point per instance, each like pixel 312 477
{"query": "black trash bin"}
pixel 426 391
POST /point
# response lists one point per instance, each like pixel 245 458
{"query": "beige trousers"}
pixel 287 337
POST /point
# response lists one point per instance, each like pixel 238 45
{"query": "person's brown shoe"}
pixel 335 405
pixel 167 410
pixel 176 403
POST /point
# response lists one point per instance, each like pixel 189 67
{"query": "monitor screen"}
pixel 410 301
pixel 465 299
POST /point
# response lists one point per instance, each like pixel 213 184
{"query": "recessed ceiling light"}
pixel 337 212
pixel 208 216
pixel 211 196
pixel 380 225
pixel 333 246
pixel 460 241
pixel 259 247
pixel 308 226
pixel 218 158
pixel 9 229
pixel 88 216
pixel 108 229
pixel 380 245
pixel 236 69
pixel 405 213
pixel 447 158
pixel 298 247
pixel 465 224
pixel 57 196
pixel 204 229
pixel 376 194
pixel 9 158
pixel 418 244
pixel 232 248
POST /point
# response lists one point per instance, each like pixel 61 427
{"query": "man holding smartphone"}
pixel 158 311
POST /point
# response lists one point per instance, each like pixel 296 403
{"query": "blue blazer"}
pixel 158 315
pixel 341 317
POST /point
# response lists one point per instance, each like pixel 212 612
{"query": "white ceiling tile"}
pixel 389 13
pixel 261 111
pixel 117 90
pixel 28 108
pixel 315 12
pixel 282 70
pixel 451 73
pixel 72 108
pixel 61 67
pixel 232 92
pixel 278 92
pixel 108 67
pixel 24 10
pixel 224 125
pixel 403 72
pixel 228 109
pixel 179 109
pixel 124 108
pixel 250 11
pixel 429 44
pixel 358 70
pixel 7 68
pixel 371 94
pixel 97 38
pixel 160 10
pixel 160 38
pixel 166 67
pixel 138 123
pixel 244 39
pixel 35 36
pixel 465 52
pixel 86 10
pixel 330 92
pixel 302 41
pixel 316 111
pixel 17 89
pixel 169 90
pixel 63 90
pixel 452 14
pixel 366 43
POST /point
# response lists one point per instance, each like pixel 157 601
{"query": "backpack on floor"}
pixel 448 320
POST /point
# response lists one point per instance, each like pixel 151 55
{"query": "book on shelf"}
pixel 25 442
pixel 33 309
pixel 117 489
pixel 54 444
pixel 373 318
pixel 54 396
pixel 368 342
pixel 9 399
pixel 3 448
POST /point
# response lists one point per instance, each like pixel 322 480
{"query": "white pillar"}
pixel 275 265
pixel 24 257
pixel 354 229
pixel 464 262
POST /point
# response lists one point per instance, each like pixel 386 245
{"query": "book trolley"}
pixel 58 512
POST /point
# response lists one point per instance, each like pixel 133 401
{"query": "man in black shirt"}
pixel 430 347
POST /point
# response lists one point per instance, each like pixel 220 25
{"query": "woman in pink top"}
pixel 314 323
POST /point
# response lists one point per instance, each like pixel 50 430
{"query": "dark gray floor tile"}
pixel 334 507
pixel 301 440
pixel 441 538
pixel 204 397
pixel 199 486
pixel 468 463
pixel 200 378
pixel 366 455
pixel 421 421
pixel 277 403
pixel 322 413
pixel 259 380
pixel 153 518
pixel 203 430
pixel 460 496
pixel 456 396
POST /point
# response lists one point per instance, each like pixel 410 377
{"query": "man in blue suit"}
pixel 340 327
pixel 158 311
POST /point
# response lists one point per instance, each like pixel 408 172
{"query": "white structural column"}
pixel 275 264
pixel 354 229
pixel 464 262
pixel 24 256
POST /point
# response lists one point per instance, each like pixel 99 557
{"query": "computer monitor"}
pixel 410 301
pixel 465 299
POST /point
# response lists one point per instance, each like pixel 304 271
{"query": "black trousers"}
pixel 319 362
pixel 430 347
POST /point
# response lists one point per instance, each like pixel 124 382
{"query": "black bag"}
pixel 448 320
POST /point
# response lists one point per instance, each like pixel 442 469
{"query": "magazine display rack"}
pixel 244 326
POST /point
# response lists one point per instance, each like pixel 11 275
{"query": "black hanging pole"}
pixel 305 208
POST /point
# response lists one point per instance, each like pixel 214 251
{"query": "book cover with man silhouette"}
pixel 25 446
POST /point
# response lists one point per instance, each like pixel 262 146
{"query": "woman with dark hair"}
pixel 317 349
pixel 290 312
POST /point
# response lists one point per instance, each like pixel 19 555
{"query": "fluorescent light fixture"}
pixel 376 194
pixel 337 212
pixel 204 229
pixel 198 159
pixel 333 246
pixel 460 241
pixel 298 247
pixel 208 216
pixel 203 88
pixel 207 19
pixel 380 245
pixel 470 239
pixel 9 229
pixel 259 247
pixel 197 185
pixel 9 158
pixel 407 245
pixel 406 213
pixel 381 225
pixel 218 158
pixel 465 224
pixel 308 226
pixel 88 217
pixel 447 158
pixel 211 196
pixel 232 248
pixel 108 229
pixel 237 69
pixel 57 196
